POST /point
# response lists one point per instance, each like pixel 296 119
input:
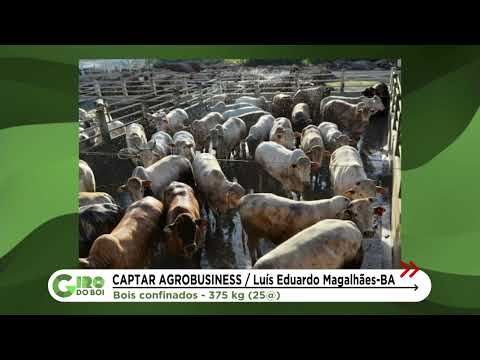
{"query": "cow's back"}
pixel 165 171
pixel 328 244
pixel 346 169
pixel 272 157
pixel 278 218
pixel 136 233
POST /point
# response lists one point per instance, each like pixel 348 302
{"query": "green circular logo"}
pixel 70 289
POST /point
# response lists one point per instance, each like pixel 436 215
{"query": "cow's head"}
pixel 217 137
pixel 368 92
pixel 194 126
pixel 375 104
pixel 361 212
pixel 299 173
pixel 341 140
pixel 159 121
pixel 381 89
pixel 136 187
pixel 364 189
pixel 100 104
pixel 317 155
pixel 186 234
pixel 150 153
pixel 184 148
pixel 234 193
pixel 177 118
pixel 252 144
pixel 288 138
pixel 135 135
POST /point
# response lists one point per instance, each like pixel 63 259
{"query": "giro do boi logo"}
pixel 65 285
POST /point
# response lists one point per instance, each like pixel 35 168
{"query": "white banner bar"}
pixel 238 286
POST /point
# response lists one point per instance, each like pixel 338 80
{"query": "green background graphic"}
pixel 39 174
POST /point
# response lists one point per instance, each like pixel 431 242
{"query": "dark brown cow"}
pixel 130 244
pixel 184 235
pixel 381 90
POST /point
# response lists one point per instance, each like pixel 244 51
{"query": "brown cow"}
pixel 184 234
pixel 130 244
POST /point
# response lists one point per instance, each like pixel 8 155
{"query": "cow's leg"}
pixel 197 257
pixel 244 242
pixel 253 248
pixel 243 150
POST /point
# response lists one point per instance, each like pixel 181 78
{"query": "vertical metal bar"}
pixel 154 85
pixel 101 115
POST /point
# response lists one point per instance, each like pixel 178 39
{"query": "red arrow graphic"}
pixel 416 268
pixel 406 268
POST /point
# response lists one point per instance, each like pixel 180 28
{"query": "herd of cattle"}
pixel 177 172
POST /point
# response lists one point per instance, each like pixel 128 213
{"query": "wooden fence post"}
pixel 200 100
pixel 220 86
pixel 98 89
pixel 154 86
pixel 297 80
pixel 101 115
pixel 342 83
pixel 145 109
pixel 257 89
pixel 177 98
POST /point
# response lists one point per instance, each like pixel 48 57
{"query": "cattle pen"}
pixel 130 97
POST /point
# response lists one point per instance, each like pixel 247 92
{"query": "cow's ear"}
pixel 380 190
pixel 169 228
pixel 146 183
pixel 202 223
pixel 346 214
pixel 122 188
pixel 349 193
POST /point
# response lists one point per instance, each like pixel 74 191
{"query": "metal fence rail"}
pixel 129 100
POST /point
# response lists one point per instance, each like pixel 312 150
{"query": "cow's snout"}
pixel 189 250
pixel 368 233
